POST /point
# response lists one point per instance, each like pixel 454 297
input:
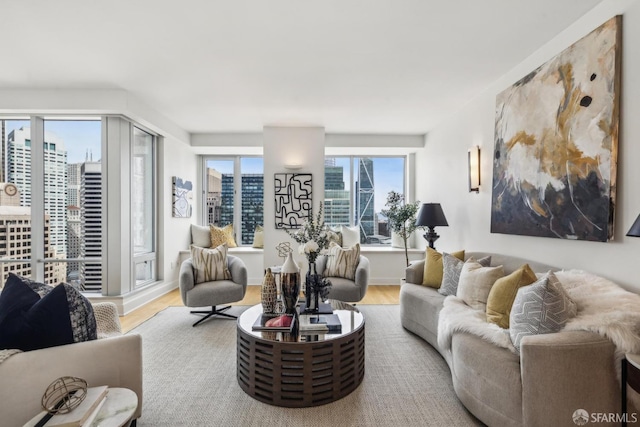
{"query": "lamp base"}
pixel 431 236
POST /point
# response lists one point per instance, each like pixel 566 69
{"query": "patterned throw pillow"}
pixel 210 264
pixel 476 282
pixel 342 262
pixel 451 269
pixel 334 235
pixel 433 267
pixel 540 308
pixel 222 235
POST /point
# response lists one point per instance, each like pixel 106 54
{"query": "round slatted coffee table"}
pixel 300 369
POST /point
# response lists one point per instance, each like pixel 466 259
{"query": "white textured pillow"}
pixel 543 307
pixel 350 235
pixel 258 237
pixel 476 282
pixel 200 236
pixel 342 262
pixel 210 264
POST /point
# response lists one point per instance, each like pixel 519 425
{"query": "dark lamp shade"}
pixel 634 231
pixel 431 215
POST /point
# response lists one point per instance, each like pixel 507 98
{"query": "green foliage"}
pixel 401 217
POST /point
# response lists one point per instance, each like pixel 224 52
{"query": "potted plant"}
pixel 401 217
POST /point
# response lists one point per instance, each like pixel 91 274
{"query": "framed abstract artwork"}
pixel 556 143
pixel 293 198
pixel 182 197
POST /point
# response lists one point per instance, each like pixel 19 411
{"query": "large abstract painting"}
pixel 182 197
pixel 556 144
pixel 293 199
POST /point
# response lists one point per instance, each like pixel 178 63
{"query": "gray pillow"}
pixel 201 236
pixel 540 308
pixel 452 267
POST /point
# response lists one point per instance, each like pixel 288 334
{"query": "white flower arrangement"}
pixel 312 236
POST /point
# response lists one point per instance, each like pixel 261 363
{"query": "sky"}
pixel 388 173
pixel 78 136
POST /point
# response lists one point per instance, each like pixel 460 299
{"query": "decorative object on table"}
pixel 556 143
pixel 268 293
pixel 313 238
pixel 290 284
pixel 64 395
pixel 283 248
pixel 401 217
pixel 279 307
pixel 182 197
pixel 293 198
pixel 430 216
pixel 269 322
pixel 83 414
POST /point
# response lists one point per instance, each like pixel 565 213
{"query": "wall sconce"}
pixel 293 166
pixel 474 169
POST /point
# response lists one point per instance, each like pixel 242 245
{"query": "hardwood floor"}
pixel 376 294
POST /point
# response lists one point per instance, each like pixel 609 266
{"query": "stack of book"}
pixel 270 322
pixel 81 416
pixel 320 324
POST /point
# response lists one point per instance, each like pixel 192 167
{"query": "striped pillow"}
pixel 210 264
pixel 342 262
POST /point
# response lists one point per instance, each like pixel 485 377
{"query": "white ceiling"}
pixel 352 66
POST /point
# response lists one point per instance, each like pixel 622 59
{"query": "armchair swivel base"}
pixel 213 312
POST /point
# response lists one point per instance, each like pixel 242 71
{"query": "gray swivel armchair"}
pixel 213 293
pixel 344 289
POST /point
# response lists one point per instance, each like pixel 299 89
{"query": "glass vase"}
pixel 311 283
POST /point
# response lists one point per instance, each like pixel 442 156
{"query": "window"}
pixel 234 194
pixel 356 191
pixel 143 206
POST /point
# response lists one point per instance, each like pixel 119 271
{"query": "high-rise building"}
pixel 214 196
pixel 73 184
pixel 17 152
pixel 365 199
pixel 74 242
pixel 252 205
pixel 337 202
pixel 91 225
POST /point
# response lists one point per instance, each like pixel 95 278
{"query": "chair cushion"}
pixel 201 235
pixel 222 235
pixel 342 262
pixel 210 264
pixel 35 315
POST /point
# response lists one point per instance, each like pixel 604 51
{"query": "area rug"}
pixel 190 378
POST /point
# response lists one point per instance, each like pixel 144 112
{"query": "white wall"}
pixel 442 166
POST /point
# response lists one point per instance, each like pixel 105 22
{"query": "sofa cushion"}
pixel 222 236
pixel 540 308
pixel 349 235
pixel 433 267
pixel 210 264
pixel 503 293
pixel 342 262
pixel 201 235
pixel 476 282
pixel 451 269
pixel 258 237
pixel 29 322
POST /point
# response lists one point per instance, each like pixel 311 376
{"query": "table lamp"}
pixel 634 231
pixel 430 216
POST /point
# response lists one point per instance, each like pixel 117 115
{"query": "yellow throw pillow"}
pixel 503 293
pixel 210 264
pixel 222 235
pixel 342 262
pixel 433 269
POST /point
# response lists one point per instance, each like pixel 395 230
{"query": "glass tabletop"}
pixel 349 317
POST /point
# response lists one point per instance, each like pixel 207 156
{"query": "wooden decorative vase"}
pixel 268 293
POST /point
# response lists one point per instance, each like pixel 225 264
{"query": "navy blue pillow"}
pixel 28 322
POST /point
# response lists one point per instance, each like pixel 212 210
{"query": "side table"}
pixel 116 411
pixel 630 375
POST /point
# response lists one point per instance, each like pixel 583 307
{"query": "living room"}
pixel 433 141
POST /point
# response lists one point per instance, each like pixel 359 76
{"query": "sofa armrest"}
pixel 566 371
pixel 116 362
pixel 414 273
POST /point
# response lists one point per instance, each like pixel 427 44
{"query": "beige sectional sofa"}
pixel 115 361
pixel 554 375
